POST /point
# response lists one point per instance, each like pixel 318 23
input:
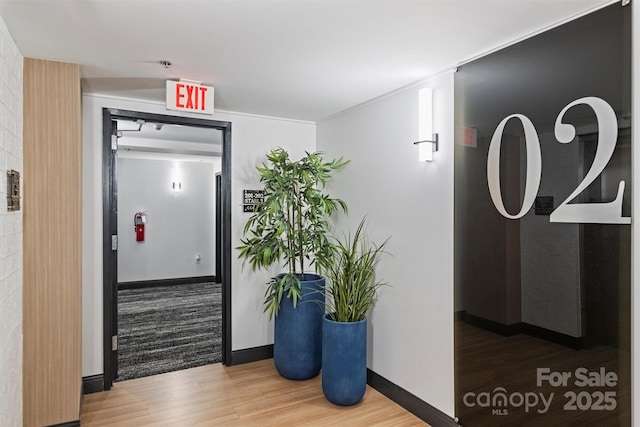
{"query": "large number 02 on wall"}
pixel 597 213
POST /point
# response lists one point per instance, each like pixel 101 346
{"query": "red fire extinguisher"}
pixel 139 220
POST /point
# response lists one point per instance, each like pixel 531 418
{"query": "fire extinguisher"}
pixel 139 220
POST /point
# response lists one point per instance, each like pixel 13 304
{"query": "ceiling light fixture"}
pixel 165 63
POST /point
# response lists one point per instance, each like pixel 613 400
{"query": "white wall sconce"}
pixel 176 178
pixel 428 140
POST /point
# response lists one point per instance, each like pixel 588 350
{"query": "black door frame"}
pixel 110 227
pixel 218 227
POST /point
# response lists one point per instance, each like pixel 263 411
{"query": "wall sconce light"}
pixel 176 177
pixel 428 141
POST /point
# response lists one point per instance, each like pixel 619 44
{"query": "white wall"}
pixel 10 234
pixel 252 137
pixel 412 338
pixel 181 224
pixel 411 327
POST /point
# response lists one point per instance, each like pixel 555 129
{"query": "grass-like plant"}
pixel 352 290
pixel 291 223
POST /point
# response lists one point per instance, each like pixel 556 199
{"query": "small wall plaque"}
pixel 250 198
pixel 13 190
pixel 544 205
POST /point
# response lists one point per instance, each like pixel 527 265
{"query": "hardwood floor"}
pixel 486 361
pixel 252 394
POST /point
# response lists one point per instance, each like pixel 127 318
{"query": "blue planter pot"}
pixel 344 361
pixel 297 347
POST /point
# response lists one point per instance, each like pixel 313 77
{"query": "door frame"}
pixel 218 226
pixel 110 228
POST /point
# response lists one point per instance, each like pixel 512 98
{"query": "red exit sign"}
pixel 470 136
pixel 187 95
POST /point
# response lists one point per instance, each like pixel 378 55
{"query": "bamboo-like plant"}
pixel 291 223
pixel 353 289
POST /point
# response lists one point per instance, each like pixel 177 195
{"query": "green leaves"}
pixel 290 225
pixel 353 288
pixel 277 287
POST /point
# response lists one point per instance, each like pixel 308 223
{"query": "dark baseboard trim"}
pixel 576 343
pixel 75 423
pixel 166 282
pixel 93 383
pixel 458 315
pixel 254 354
pixel 408 401
pixel 490 325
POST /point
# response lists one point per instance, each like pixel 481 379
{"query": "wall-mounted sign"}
pixel 13 190
pixel 189 95
pixel 469 137
pixel 581 213
pixel 250 198
pixel 544 205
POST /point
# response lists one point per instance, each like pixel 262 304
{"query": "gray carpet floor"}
pixel 168 328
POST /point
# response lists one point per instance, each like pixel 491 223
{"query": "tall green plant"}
pixel 353 289
pixel 291 223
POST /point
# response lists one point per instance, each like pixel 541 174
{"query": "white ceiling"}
pixel 299 59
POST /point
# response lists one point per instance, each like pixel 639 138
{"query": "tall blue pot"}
pixel 344 361
pixel 297 347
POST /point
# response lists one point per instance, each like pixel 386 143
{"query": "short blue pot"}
pixel 297 346
pixel 344 361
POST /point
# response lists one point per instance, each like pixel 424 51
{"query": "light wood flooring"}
pixel 252 394
pixel 485 360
